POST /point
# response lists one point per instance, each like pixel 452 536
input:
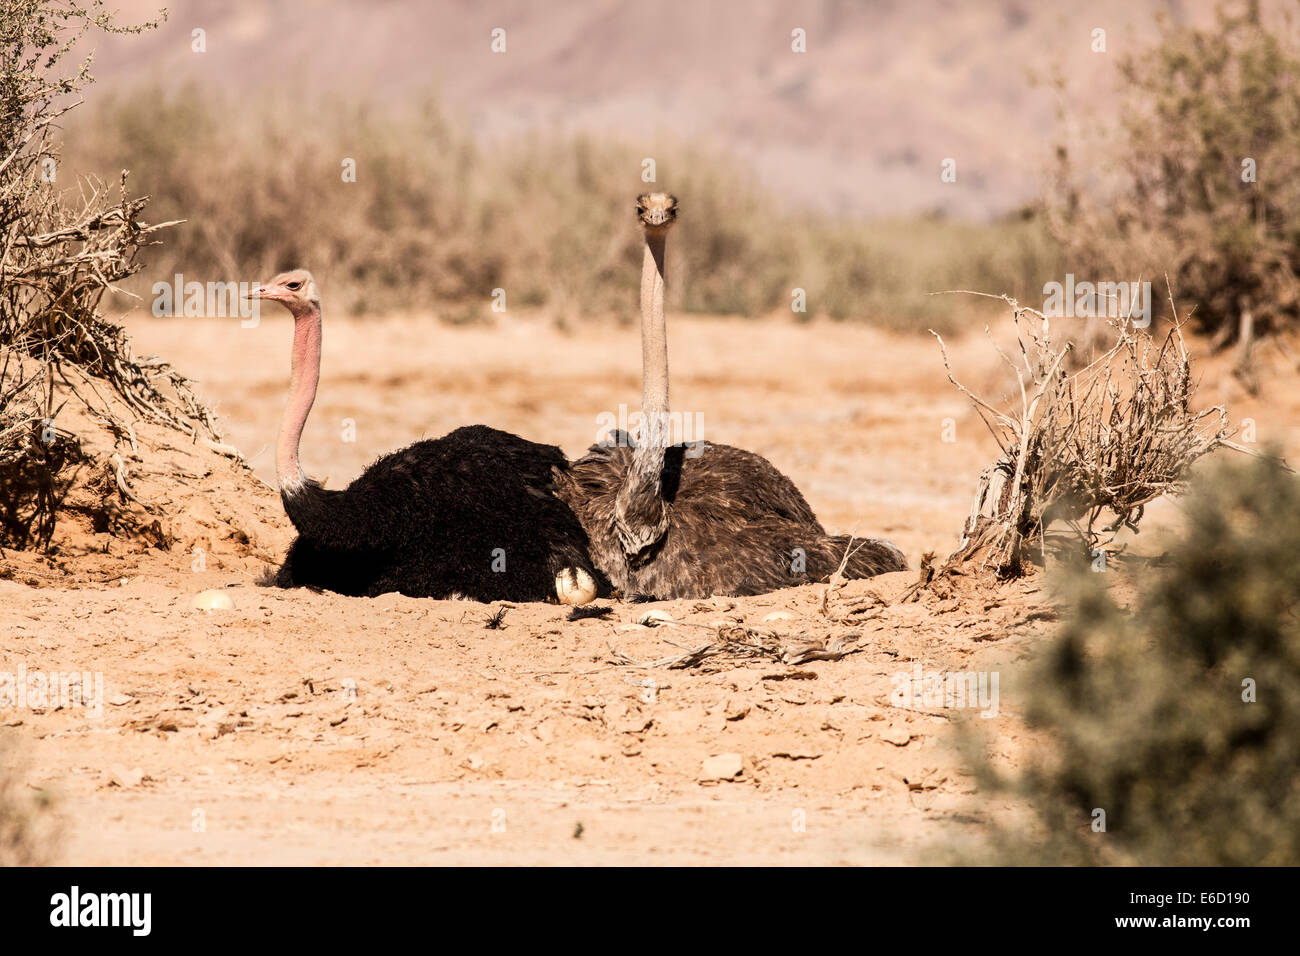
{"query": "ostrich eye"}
pixel 294 285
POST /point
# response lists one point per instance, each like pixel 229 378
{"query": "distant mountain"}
pixel 860 123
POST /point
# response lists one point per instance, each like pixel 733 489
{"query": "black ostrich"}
pixel 472 514
pixel 672 521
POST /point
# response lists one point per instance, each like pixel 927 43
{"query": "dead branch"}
pixel 736 642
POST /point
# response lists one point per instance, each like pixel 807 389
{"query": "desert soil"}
pixel 311 728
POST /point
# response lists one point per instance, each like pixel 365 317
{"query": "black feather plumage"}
pixel 473 513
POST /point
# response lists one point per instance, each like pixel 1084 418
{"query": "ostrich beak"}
pixel 261 292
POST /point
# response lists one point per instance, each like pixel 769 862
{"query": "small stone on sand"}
pixel 212 600
pixel 722 767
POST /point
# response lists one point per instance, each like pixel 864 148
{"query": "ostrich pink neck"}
pixel 303 379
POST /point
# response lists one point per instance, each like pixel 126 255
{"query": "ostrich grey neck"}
pixel 303 379
pixel 654 335
pixel 641 515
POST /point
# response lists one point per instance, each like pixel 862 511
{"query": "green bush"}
pixel 1147 707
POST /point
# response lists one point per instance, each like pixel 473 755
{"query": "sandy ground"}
pixel 314 728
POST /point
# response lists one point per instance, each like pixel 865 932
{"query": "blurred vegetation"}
pixel 1207 167
pixel 1146 706
pixel 436 220
pixel 30 830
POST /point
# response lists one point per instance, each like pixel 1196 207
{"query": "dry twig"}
pixel 738 642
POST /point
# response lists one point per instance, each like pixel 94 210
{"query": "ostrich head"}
pixel 656 210
pixel 295 290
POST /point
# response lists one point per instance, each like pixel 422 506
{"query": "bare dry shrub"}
pixel 1107 438
pixel 60 254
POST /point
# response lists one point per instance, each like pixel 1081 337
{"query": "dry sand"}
pixel 313 728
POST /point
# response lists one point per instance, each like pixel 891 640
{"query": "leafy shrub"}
pixel 1179 717
pixel 1208 173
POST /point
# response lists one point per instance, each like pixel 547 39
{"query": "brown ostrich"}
pixel 665 521
pixel 472 514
